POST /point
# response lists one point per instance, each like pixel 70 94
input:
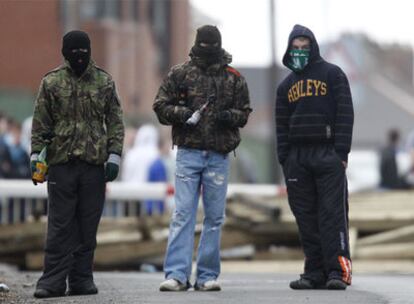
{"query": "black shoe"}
pixel 303 283
pixel 44 293
pixel 83 291
pixel 335 284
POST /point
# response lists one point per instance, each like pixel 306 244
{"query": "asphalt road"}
pixel 133 287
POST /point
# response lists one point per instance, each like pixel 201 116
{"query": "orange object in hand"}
pixel 40 174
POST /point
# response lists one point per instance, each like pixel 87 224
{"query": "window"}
pixel 159 12
pixel 99 9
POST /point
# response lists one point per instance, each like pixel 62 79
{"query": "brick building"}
pixel 135 40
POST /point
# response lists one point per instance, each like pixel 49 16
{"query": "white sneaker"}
pixel 172 285
pixel 211 285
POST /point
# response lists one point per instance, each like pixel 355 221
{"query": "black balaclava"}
pixel 210 35
pixel 78 60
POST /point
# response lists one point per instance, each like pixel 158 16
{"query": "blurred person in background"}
pixel 160 171
pixel 410 151
pixel 138 160
pixel 244 168
pixel 78 118
pixel 130 134
pixel 206 101
pixel 390 178
pixel 314 123
pixel 20 160
pixel 5 157
pixel 141 155
pixel 26 134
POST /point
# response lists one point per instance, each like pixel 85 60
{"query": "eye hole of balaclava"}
pixel 208 43
pixel 76 49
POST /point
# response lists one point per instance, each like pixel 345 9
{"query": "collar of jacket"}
pixel 214 68
pixel 85 74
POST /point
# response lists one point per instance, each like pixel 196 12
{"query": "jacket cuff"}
pixel 114 159
pixel 34 156
pixel 282 160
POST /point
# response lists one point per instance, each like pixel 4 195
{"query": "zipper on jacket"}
pixel 74 92
pixel 328 132
pixel 76 82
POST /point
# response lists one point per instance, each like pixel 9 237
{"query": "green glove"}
pixel 224 117
pixel 112 167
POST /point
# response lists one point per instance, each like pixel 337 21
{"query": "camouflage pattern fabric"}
pixel 188 86
pixel 77 117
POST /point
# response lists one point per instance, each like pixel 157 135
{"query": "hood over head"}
pixel 302 31
pixel 147 136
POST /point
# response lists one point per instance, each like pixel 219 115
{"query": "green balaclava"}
pixel 298 59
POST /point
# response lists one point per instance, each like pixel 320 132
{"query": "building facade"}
pixel 134 40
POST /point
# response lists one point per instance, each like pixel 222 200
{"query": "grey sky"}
pixel 245 29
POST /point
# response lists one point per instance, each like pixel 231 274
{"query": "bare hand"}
pixel 345 164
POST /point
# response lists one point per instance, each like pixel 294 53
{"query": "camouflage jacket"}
pixel 77 117
pixel 188 86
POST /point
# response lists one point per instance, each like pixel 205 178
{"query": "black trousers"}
pixel 318 197
pixel 76 197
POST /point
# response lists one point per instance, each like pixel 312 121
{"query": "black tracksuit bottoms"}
pixel 76 197
pixel 318 197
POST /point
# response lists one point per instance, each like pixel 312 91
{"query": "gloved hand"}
pixel 112 167
pixel 224 117
pixel 33 161
pixel 187 113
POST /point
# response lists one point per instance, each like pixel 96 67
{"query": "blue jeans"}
pixel 204 171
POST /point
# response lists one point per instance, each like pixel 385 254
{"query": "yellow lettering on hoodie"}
pixel 309 87
pixel 290 96
pixel 295 93
pixel 317 84
pixel 302 91
pixel 323 89
pixel 305 88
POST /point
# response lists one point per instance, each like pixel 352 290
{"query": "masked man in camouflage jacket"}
pixel 78 117
pixel 206 101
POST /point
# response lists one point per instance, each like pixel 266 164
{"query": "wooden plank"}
pixel 400 235
pixel 255 203
pixel 246 213
pixel 111 255
pixel 386 251
pixel 353 238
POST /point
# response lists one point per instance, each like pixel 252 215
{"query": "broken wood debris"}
pixel 381 227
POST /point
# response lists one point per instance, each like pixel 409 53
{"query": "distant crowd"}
pixel 148 156
pixel 14 148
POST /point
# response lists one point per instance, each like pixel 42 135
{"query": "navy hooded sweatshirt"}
pixel 313 106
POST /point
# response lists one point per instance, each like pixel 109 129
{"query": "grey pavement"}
pixel 134 287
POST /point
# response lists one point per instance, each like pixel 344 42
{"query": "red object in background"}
pixel 170 190
pixel 283 190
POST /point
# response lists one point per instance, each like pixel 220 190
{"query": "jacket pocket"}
pixel 93 104
pixel 96 147
pixel 62 104
pixel 227 140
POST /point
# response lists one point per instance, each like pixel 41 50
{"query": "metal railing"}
pixel 21 201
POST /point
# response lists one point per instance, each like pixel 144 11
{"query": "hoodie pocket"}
pixel 310 128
